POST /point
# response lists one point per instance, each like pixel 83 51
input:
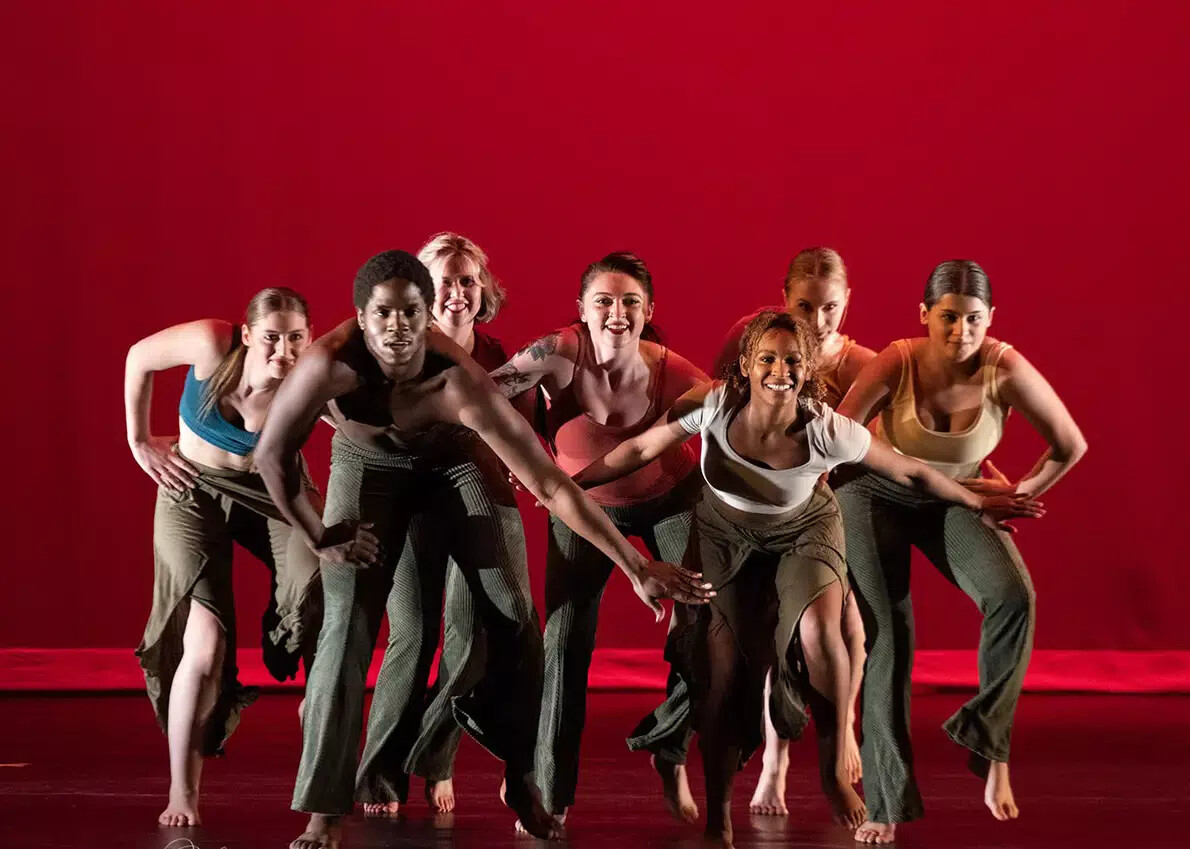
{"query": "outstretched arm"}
pixel 994 509
pixel 647 446
pixel 198 343
pixel 484 409
pixel 552 354
pixel 1024 388
pixel 873 387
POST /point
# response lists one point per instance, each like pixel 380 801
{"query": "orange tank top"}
pixel 830 376
pixel 577 440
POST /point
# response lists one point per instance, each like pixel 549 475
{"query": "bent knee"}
pixel 204 648
pixel 1018 601
pixel 820 623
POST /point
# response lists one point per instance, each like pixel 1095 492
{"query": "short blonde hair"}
pixel 815 264
pixel 443 246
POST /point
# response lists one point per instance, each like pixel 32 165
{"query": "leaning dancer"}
pixel 607 381
pixel 408 405
pixel 466 293
pixel 207 498
pixel 816 290
pixel 767 533
pixel 944 399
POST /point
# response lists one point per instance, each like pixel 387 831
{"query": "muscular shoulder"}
pixel 886 366
pixel 1012 366
pixel 335 341
pixel 209 340
pixel 853 363
pixel 318 366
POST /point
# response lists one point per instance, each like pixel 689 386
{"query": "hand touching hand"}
pixel 998 509
pixel 658 580
pixel 349 544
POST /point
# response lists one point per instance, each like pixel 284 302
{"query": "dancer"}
pixel 408 405
pixel 944 399
pixel 767 533
pixel 816 290
pixel 207 498
pixel 465 293
pixel 608 381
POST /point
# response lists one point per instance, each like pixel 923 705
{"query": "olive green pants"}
pixel 883 522
pixel 487 543
pixel 193 536
pixel 766 572
pixel 576 576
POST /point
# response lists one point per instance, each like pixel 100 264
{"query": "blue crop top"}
pixel 212 427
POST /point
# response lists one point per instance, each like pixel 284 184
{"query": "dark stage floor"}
pixel 1088 771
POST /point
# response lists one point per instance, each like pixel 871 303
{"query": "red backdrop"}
pixel 162 162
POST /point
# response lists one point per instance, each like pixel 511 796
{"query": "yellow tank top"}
pixel 956 455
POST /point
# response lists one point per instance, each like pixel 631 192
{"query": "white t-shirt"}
pixel 742 484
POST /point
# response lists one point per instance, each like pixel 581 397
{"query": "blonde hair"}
pixel 442 246
pixel 227 374
pixel 815 264
pixel 807 345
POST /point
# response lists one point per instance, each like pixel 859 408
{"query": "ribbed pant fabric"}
pixel 487 543
pixel 883 521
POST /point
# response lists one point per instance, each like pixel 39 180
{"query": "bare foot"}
pixel 848 808
pixel 876 832
pixel 302 712
pixel 997 794
pixel 560 819
pixel 182 810
pixel 769 797
pixel 381 809
pixel 676 788
pixel 440 795
pixel 524 798
pixel 853 764
pixel 322 832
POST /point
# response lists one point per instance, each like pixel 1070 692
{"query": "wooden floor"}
pixel 1089 771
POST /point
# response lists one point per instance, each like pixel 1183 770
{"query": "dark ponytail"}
pixel 957 277
pixel 624 262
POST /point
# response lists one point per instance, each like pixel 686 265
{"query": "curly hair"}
pixel 392 265
pixel 443 246
pixel 807 345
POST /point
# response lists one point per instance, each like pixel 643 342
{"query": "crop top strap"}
pixel 991 384
pixel 905 384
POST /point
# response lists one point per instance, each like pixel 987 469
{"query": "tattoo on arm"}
pixel 511 382
pixel 541 348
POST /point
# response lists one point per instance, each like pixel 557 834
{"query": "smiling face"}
pixel 274 342
pixel 776 371
pixel 957 325
pixel 820 302
pixel 394 322
pixel 615 309
pixel 458 291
